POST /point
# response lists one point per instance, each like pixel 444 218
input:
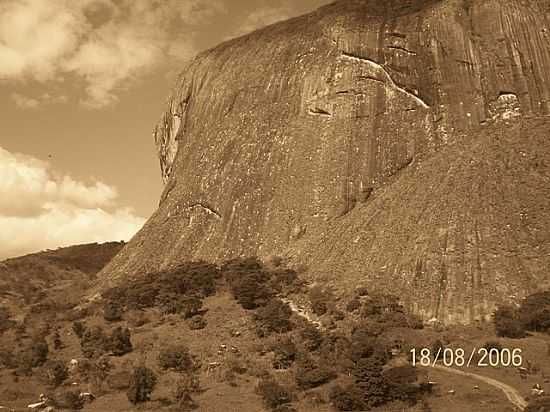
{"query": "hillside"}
pixel 401 145
pixel 61 275
pixel 245 336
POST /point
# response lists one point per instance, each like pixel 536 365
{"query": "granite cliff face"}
pixel 401 145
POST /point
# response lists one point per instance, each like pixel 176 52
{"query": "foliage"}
pixel 310 374
pixel 78 329
pixel 348 398
pixel 176 357
pixel 274 317
pixel 285 354
pixel 94 342
pixel 119 342
pixel 507 323
pixel 311 337
pixel 320 299
pixel 142 384
pixel 534 312
pixel 69 400
pixel 56 372
pixel 541 404
pixel 112 311
pixel 197 322
pixel 273 394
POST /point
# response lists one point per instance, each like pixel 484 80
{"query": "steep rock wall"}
pixel 271 141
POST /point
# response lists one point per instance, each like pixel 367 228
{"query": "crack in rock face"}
pixel 409 137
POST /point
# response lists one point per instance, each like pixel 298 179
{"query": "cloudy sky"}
pixel 82 83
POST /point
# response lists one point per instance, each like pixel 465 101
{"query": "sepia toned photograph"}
pixel 275 205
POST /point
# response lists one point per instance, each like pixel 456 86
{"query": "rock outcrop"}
pixel 403 145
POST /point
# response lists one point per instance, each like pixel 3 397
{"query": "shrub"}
pixel 197 322
pixel 507 323
pixel 493 344
pixel 534 312
pixel 79 329
pixel 69 400
pixel 57 342
pixel 402 383
pixel 251 290
pixel 176 357
pixel 112 312
pixel 119 342
pixel 185 387
pixel 94 342
pixel 352 306
pixel 5 322
pixel 437 347
pixel 311 337
pixel 273 318
pixel 541 404
pixel 320 300
pixel 56 372
pixel 33 355
pixel 310 374
pixel 273 394
pixel 285 354
pixel 142 384
pixel 190 307
pixel 348 398
pixel 369 379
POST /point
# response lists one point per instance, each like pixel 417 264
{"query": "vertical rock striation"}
pixel 399 144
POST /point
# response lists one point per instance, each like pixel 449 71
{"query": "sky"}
pixel 82 84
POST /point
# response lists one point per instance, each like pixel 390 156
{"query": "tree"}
pixel 142 384
pixel 348 398
pixel 119 342
pixel 507 323
pixel 273 317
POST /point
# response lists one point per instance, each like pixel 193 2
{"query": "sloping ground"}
pixel 66 271
pixel 454 234
pixel 306 136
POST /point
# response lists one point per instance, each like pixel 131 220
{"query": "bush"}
pixel 310 374
pixel 33 355
pixel 5 322
pixel 348 398
pixel 285 354
pixel 320 300
pixel 69 400
pixel 94 342
pixel 251 290
pixel 142 384
pixel 112 312
pixel 311 337
pixel 56 373
pixel 197 322
pixel 493 344
pixel 541 404
pixel 507 323
pixel 402 383
pixel 176 357
pixel 534 312
pixel 369 379
pixel 119 342
pixel 273 394
pixel 273 318
pixel 79 329
pixel 352 306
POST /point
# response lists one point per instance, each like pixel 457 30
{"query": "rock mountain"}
pixel 400 145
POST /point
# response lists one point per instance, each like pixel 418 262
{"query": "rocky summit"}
pixel 399 145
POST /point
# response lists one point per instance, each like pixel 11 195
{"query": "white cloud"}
pixel 40 209
pixel 27 102
pixel 104 42
pixel 264 17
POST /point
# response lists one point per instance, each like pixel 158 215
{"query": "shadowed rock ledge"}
pixel 400 145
